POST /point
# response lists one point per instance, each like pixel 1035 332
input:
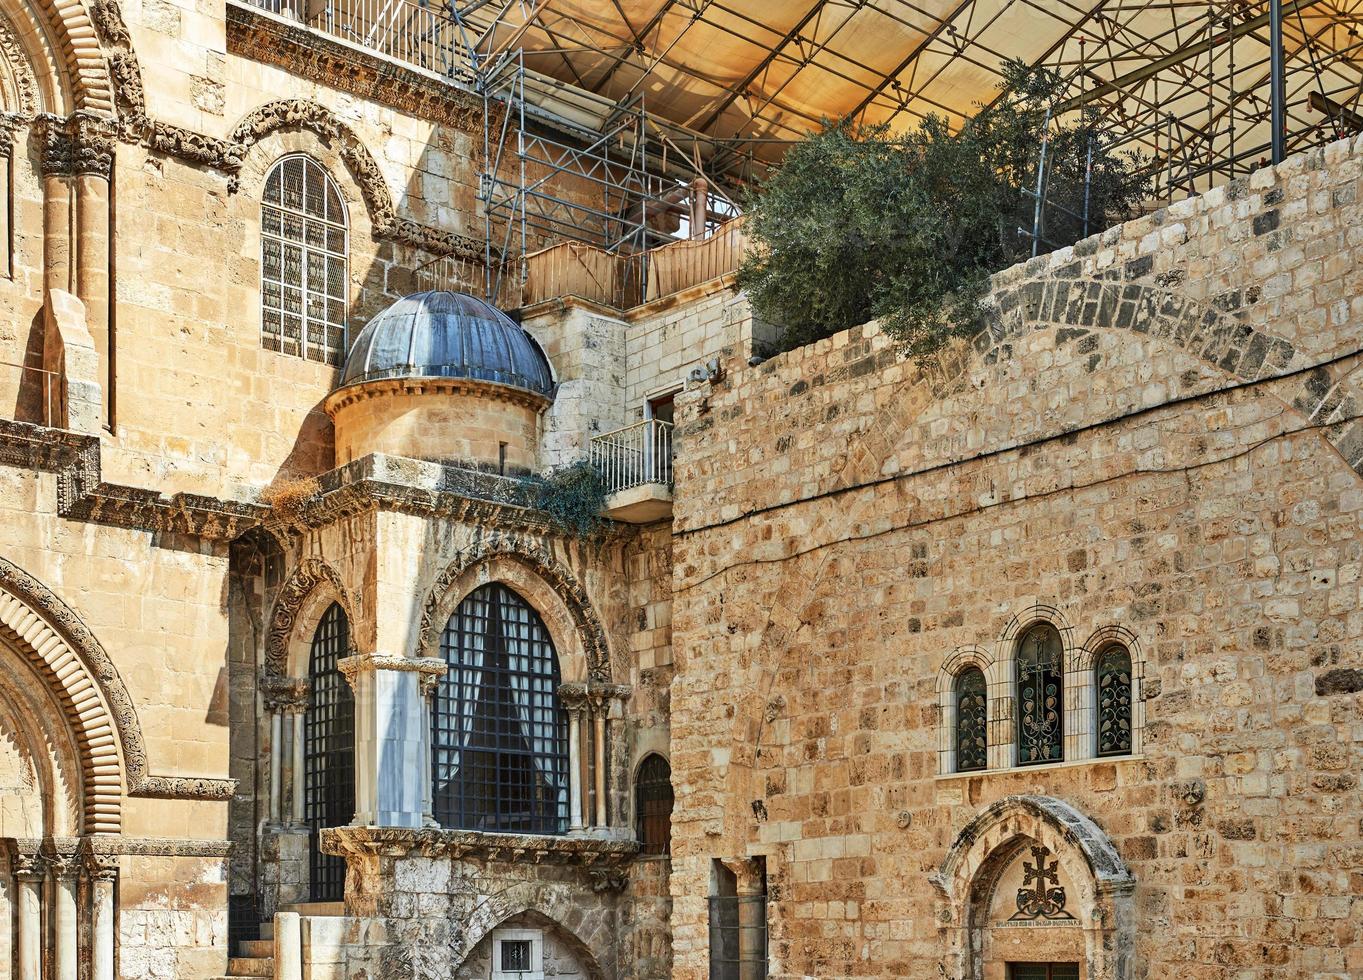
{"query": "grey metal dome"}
pixel 442 334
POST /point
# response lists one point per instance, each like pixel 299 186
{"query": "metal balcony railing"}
pixel 634 456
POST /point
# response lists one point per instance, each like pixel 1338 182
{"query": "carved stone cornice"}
pixel 431 669
pixel 288 695
pixel 112 846
pixel 459 845
pixel 306 53
pixel 81 144
pixel 386 387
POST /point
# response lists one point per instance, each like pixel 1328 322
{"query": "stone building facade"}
pixel 1041 654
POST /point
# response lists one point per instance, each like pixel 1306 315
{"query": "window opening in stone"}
pixel 1043 971
pixel 1040 736
pixel 653 801
pixel 738 922
pixel 329 752
pixel 303 256
pixel 499 735
pixel 517 954
pixel 662 407
pixel 972 750
pixel 1114 701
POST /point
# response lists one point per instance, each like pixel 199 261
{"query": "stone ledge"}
pixel 396 842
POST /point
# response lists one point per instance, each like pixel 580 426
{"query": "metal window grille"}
pixel 303 275
pixel 1041 735
pixel 328 751
pixel 499 736
pixel 1043 971
pixel 515 956
pixel 738 936
pixel 1114 701
pixel 653 800
pixel 972 721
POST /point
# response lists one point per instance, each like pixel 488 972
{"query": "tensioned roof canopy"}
pixel 1187 81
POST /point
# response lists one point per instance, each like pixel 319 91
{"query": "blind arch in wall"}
pixel 499 736
pixel 328 752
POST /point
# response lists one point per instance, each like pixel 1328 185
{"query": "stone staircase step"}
pixel 250 966
pixel 315 908
pixel 267 930
pixel 257 947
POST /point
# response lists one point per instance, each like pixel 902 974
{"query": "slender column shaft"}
pixel 30 903
pixel 102 927
pixel 66 927
pixel 58 269
pixel 600 756
pixel 299 770
pixel 575 770
pixel 276 764
pixel 92 274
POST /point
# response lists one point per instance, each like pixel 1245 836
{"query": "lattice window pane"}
pixel 1114 702
pixel 972 721
pixel 498 734
pixel 653 801
pixel 328 751
pixel 303 251
pixel 1040 696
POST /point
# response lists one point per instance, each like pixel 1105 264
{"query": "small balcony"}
pixel 635 463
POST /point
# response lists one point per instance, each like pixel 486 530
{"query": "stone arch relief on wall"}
pixel 1033 879
pixel 62 648
pixel 569 615
pixel 19 94
pixel 313 586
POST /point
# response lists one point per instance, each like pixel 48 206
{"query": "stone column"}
pixel 9 122
pixel 65 873
pixel 286 699
pixel 430 682
pixel 276 766
pixel 297 713
pixel 599 748
pixel 574 768
pixel 592 708
pixel 30 871
pixel 102 872
pixel 390 739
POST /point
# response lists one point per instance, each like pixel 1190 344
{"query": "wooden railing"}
pixel 635 455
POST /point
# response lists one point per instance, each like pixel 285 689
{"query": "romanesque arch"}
pixel 313 586
pixel 60 39
pixel 1032 878
pixel 579 638
pixel 527 907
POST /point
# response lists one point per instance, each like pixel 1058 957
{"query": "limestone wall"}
pixel 1156 436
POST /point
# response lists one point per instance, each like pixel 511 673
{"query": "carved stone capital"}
pixel 289 695
pixel 9 125
pixel 27 860
pixel 598 699
pixel 98 865
pixel 81 144
pixel 65 857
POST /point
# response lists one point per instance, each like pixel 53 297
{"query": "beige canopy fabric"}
pixel 1186 82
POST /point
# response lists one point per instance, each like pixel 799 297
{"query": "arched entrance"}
pixel 1035 889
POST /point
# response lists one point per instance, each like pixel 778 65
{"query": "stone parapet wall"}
pixel 1156 438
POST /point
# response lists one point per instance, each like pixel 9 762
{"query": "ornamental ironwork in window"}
pixel 1040 735
pixel 972 746
pixel 499 738
pixel 303 249
pixel 328 751
pixel 1114 701
pixel 653 800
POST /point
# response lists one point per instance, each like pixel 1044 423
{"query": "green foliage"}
pixel 860 224
pixel 573 497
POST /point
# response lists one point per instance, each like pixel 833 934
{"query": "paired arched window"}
pixel 499 737
pixel 1112 682
pixel 971 735
pixel 303 250
pixel 1040 696
pixel 328 751
pixel 653 800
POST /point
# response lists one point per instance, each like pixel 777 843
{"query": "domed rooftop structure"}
pixel 442 334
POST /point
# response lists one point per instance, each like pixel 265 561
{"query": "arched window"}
pixel 499 738
pixel 1040 696
pixel 328 751
pixel 303 248
pixel 653 801
pixel 1113 683
pixel 972 744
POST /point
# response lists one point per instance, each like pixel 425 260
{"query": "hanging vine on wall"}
pixel 574 497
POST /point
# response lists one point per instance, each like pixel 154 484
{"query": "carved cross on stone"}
pixel 1046 897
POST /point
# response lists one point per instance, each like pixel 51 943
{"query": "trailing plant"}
pixel 859 223
pixel 573 497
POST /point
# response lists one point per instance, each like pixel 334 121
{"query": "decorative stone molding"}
pixel 113 846
pixel 364 391
pixel 311 574
pixel 431 669
pixel 13 55
pixel 9 125
pixel 26 859
pixel 306 53
pixel 458 845
pixel 79 42
pixel 69 651
pixel 440 601
pixel 82 144
pixel 289 695
pixel 608 880
pixel 597 698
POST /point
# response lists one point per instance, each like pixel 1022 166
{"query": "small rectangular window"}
pixel 517 954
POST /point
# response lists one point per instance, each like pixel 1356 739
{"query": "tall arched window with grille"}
pixel 303 254
pixel 328 751
pixel 1040 696
pixel 499 737
pixel 1113 684
pixel 972 721
pixel 653 799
